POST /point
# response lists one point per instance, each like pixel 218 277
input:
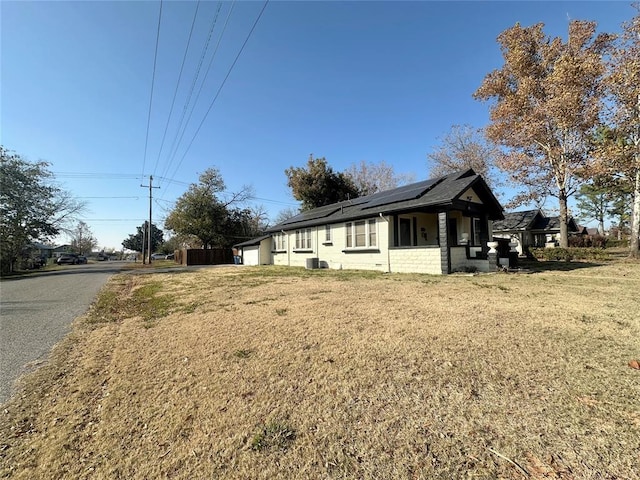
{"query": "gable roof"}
pixel 553 224
pixel 531 220
pixel 252 242
pixel 442 191
pixel 517 220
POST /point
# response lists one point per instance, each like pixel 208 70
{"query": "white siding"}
pixel 416 260
pixel 470 196
pixel 265 252
pixel 251 255
pixel 459 260
pixel 334 254
pixel 424 258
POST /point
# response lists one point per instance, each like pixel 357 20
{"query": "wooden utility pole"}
pixel 151 187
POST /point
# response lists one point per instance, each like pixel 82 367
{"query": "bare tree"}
pixel 462 148
pixel 370 177
pixel 82 239
pixel 286 214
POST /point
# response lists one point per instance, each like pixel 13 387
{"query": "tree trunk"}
pixel 564 231
pixel 635 216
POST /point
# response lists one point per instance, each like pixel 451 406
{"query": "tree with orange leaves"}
pixel 547 102
pixel 618 155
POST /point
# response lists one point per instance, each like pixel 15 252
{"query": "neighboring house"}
pixel 530 228
pixel 436 226
pixel 59 250
pixel 42 250
pixel 256 251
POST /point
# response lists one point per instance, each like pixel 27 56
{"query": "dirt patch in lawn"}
pixel 288 373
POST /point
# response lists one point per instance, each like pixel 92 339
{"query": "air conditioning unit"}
pixel 312 263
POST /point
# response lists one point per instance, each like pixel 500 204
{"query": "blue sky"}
pixel 349 81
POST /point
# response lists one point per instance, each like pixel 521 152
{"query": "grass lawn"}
pixel 268 372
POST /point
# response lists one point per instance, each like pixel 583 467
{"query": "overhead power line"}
pixel 178 137
pixel 221 86
pixel 134 198
pixel 175 93
pixel 171 158
pixel 114 219
pixel 111 176
pixel 153 78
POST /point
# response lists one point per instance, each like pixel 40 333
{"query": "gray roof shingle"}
pixel 427 193
pixel 530 220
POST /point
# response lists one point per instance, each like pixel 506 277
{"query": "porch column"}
pixel 443 227
pixel 484 233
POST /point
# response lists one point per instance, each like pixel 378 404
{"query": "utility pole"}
pixel 144 236
pixel 151 187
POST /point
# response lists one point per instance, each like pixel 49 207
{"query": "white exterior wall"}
pixel 335 255
pixel 251 255
pixel 416 260
pixel 331 254
pixel 459 260
pixel 265 252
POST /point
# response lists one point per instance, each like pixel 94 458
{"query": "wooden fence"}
pixel 199 256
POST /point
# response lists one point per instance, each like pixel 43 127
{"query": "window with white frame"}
pixel 279 242
pixel 303 239
pixel 361 234
pixel 327 234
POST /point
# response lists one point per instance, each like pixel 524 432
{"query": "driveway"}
pixel 36 312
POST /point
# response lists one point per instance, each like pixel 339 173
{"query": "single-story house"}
pixel 436 226
pixel 531 228
pixel 60 249
pixel 42 250
pixel 256 251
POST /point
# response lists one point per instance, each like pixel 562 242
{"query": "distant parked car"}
pixel 157 256
pixel 102 257
pixel 171 256
pixel 82 259
pixel 68 258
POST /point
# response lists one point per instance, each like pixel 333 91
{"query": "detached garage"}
pixel 256 251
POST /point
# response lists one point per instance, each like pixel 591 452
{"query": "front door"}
pixel 405 232
pixel 453 232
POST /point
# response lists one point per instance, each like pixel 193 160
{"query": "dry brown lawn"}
pixel 273 373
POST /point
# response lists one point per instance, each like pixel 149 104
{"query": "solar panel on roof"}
pixel 408 192
pixel 320 212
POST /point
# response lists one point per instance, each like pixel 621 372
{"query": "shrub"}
pixel 569 254
pixel 588 241
pixel 614 242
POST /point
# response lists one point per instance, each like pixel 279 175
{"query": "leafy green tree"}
pixel 547 102
pixel 31 206
pixel 82 239
pixel 593 202
pixel 203 212
pixel 134 242
pixel 621 209
pixel 318 185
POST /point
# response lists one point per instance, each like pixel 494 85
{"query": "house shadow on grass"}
pixel 536 266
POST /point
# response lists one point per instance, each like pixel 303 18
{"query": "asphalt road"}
pixel 36 312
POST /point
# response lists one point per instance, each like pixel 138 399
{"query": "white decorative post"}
pixel 513 253
pixel 493 254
